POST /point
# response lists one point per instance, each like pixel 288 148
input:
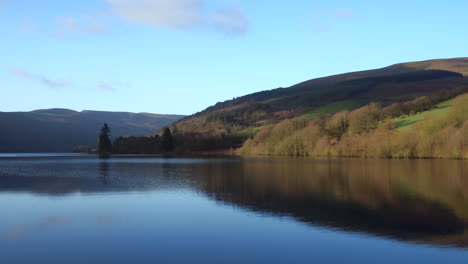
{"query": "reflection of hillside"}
pixel 412 200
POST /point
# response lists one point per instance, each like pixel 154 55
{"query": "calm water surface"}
pixel 80 209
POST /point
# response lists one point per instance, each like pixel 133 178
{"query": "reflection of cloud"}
pixel 17 232
pixel 39 78
pixel 44 224
pixel 230 21
pixel 50 222
pixel 104 219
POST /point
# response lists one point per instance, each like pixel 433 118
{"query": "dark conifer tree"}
pixel 104 142
pixel 167 142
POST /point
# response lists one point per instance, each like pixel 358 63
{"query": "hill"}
pixel 394 83
pixel 399 91
pixel 229 123
pixel 60 130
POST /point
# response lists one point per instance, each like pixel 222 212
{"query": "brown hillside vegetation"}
pixel 368 132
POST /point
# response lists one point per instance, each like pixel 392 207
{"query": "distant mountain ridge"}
pixel 459 65
pixel 60 130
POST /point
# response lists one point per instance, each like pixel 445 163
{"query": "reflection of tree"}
pixel 103 172
pixel 167 169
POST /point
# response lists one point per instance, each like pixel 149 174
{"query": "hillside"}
pixel 60 130
pixel 399 82
pixel 399 91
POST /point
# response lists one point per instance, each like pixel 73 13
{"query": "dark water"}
pixel 79 209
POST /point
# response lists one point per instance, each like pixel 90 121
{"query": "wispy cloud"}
pixel 67 26
pixel 171 14
pixel 344 13
pixel 55 83
pixel 230 21
pixel 321 21
pixel 46 81
pixel 27 28
pixel 112 86
pixel 90 23
pixel 180 14
pixel 320 27
pixel 106 86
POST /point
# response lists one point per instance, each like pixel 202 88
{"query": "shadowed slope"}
pixel 60 130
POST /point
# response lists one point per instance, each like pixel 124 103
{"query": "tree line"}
pixel 328 135
pixel 155 144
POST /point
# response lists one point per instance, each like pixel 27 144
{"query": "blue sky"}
pixel 181 56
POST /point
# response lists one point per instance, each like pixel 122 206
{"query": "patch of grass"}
pixel 445 104
pixel 405 122
pixel 252 130
pixel 332 108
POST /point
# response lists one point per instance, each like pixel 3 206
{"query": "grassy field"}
pixel 332 108
pixel 405 122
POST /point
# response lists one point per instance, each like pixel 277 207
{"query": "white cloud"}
pixel 230 21
pixel 178 14
pixel 39 78
pixel 53 83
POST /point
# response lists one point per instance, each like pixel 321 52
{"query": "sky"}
pixel 181 56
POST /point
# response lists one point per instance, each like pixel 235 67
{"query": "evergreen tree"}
pixel 104 142
pixel 167 142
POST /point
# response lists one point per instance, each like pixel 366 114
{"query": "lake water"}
pixel 134 209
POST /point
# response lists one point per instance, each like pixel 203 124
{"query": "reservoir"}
pixel 67 208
